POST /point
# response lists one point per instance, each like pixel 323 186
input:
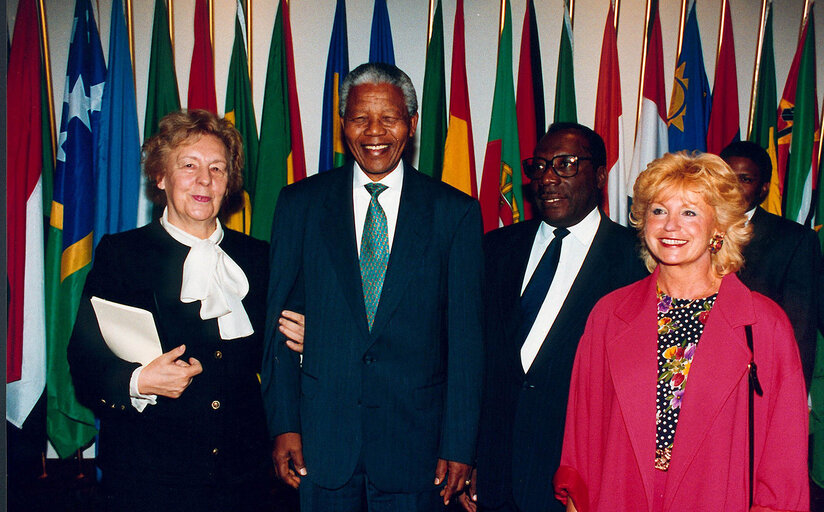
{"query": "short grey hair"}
pixel 379 73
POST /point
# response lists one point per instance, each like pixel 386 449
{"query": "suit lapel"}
pixel 338 232
pixel 412 232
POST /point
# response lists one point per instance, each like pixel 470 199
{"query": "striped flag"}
pixel 281 156
pixel 202 72
pixel 69 250
pixel 118 163
pixel 26 328
pixel 381 48
pixel 433 104
pixel 501 195
pixel 609 123
pixel 459 148
pixel 691 101
pixel 161 92
pixel 798 128
pixel 764 128
pixel 651 132
pixel 332 150
pixel 565 102
pixel 240 111
pixel 723 127
pixel 529 102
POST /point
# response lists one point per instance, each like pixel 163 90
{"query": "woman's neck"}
pixel 678 284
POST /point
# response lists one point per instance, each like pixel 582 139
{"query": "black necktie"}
pixel 538 286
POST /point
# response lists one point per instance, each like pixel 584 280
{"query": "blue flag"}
pixel 380 43
pixel 117 179
pixel 689 112
pixel 332 152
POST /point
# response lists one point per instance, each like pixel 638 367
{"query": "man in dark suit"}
pixel 783 259
pixel 534 318
pixel 386 265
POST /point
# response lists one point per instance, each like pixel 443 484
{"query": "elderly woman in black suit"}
pixel 187 430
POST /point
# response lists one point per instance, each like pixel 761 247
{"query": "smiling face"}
pixel 678 228
pixel 564 202
pixel 377 126
pixel 195 184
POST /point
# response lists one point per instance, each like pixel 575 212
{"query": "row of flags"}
pixel 97 185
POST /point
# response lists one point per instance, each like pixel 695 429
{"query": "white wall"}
pixel 312 24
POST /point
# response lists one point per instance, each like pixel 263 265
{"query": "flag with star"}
pixel 501 196
pixel 332 151
pixel 26 327
pixel 70 426
pixel 690 104
pixel 565 102
pixel 381 48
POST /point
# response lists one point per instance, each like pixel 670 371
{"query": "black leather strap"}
pixel 755 389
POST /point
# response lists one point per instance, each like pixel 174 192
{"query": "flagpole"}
pixel 211 5
pixel 681 30
pixel 248 18
pixel 171 4
pixel 130 30
pixel 615 9
pixel 762 28
pixel 720 31
pixel 643 65
pixel 431 22
pixel 807 4
pixel 571 12
pixel 501 25
pixel 44 38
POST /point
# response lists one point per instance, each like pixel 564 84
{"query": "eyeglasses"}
pixel 565 166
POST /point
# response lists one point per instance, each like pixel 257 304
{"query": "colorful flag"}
pixel 118 164
pixel 161 91
pixel 798 128
pixel 26 328
pixel 459 148
pixel 202 73
pixel 651 132
pixel 529 102
pixel 433 104
pixel 69 250
pixel 501 195
pixel 764 129
pixel 240 111
pixel 691 102
pixel 332 150
pixel 565 102
pixel 281 136
pixel 723 127
pixel 609 123
pixel 381 48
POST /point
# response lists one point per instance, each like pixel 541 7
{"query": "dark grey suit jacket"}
pixel 406 393
pixel 522 419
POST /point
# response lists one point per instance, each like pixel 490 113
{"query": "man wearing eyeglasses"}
pixel 543 278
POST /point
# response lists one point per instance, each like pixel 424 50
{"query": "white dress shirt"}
pixel 574 249
pixel 389 199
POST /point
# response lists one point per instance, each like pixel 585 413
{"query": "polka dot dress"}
pixel 680 324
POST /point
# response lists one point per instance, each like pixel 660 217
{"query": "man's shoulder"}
pixel 776 225
pixel 438 190
pixel 317 183
pixel 504 237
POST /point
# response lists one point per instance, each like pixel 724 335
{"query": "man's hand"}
pixel 289 448
pixel 167 375
pixel 291 325
pixel 456 473
pixel 469 498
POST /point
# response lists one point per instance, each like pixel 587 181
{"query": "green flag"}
pixel 764 130
pixel 241 112
pixel 565 109
pixel 433 106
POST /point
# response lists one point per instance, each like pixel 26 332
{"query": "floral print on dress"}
pixel 680 324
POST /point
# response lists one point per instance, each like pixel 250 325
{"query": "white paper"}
pixel 129 332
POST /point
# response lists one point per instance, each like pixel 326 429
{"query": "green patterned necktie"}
pixel 374 252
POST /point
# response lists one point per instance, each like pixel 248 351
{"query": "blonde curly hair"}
pixel 711 178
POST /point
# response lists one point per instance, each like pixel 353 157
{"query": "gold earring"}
pixel 716 242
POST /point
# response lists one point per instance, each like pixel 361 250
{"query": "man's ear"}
pixel 601 177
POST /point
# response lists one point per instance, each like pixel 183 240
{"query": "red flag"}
pixel 298 158
pixel 723 128
pixel 202 73
pixel 529 105
pixel 609 125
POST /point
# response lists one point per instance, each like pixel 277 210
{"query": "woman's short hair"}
pixel 379 73
pixel 708 176
pixel 185 127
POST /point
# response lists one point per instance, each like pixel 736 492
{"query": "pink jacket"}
pixel 609 442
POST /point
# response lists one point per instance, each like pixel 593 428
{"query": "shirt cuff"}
pixel 139 400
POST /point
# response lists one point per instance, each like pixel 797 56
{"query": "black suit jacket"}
pixel 406 393
pixel 783 262
pixel 216 429
pixel 522 420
